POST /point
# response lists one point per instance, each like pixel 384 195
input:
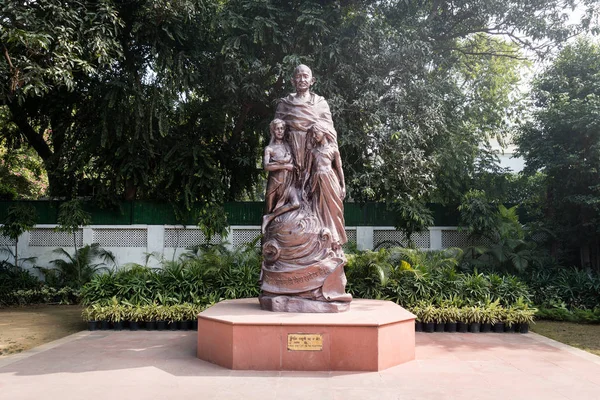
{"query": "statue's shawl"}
pixel 300 115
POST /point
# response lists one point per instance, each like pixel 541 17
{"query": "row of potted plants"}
pixel 153 316
pixel 491 317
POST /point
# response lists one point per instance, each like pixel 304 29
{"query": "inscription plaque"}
pixel 305 342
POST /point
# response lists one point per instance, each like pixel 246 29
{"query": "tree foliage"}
pixel 563 142
pixel 171 100
pixel 19 219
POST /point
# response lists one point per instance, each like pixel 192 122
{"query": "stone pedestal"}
pixel 373 335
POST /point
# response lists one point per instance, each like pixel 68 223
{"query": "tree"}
pixel 563 142
pixel 71 216
pixel 177 105
pixel 19 219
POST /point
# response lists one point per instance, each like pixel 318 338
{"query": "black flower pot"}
pixel 118 326
pixel 134 326
pixel 92 325
pixel 104 325
pixel 428 327
pixel 509 329
pixel 451 327
pixel 523 328
pixel 184 325
pixel 462 327
pixel 418 326
pixel 161 325
pixel 486 328
pixel 440 327
pixel 475 327
pixel 172 326
pixel 150 325
pixel 195 324
pixel 499 327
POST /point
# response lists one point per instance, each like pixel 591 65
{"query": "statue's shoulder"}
pixel 287 99
pixel 318 99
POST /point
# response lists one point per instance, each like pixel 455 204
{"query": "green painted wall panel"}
pixel 238 213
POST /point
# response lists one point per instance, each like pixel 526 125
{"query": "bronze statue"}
pixel 303 226
pixel 326 184
pixel 281 195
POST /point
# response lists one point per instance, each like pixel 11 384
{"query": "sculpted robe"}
pixel 299 116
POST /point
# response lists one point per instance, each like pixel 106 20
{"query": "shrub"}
pixel 203 275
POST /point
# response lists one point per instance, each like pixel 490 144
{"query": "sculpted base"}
pixel 296 304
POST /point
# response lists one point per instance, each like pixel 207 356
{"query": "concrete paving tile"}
pixel 366 393
pixel 355 379
pixel 163 365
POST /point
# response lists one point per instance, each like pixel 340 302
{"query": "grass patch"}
pixel 583 336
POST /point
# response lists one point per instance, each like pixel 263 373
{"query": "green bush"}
pixel 203 275
pixel 575 288
pixel 42 295
pixel 561 313
pixel 407 276
pixel 153 312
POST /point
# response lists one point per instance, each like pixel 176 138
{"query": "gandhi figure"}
pixel 300 111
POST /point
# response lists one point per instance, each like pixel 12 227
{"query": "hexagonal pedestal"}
pixel 372 336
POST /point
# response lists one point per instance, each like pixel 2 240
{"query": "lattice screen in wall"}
pixel 242 236
pixel 389 238
pixel 121 237
pixel 454 238
pixel 47 237
pixel 351 235
pixel 187 238
pixel 6 241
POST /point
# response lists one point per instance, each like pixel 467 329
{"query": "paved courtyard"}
pixel 163 365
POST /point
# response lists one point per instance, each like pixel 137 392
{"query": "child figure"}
pixel 326 188
pixel 281 195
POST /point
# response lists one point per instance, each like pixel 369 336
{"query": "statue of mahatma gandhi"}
pixel 303 225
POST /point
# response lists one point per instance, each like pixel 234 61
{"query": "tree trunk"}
pixel 130 190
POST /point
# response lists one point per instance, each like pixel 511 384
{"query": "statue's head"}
pixel 303 78
pixel 319 133
pixel 277 129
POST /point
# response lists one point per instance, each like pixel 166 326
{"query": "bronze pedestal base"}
pixel 295 304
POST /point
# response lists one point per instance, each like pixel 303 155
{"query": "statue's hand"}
pixel 289 167
pixel 343 193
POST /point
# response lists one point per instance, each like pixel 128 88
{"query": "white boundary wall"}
pixel 132 243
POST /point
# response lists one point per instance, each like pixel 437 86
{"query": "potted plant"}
pixel 149 312
pixel 100 314
pixel 416 310
pixel 161 317
pixel 88 315
pixel 115 315
pixel 474 319
pixel 183 321
pixel 510 319
pixel 439 318
pixel 175 315
pixel 135 315
pixel 189 315
pixel 523 318
pixel 462 325
pixel 427 316
pixel 500 317
pixel 489 316
pixel 452 315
